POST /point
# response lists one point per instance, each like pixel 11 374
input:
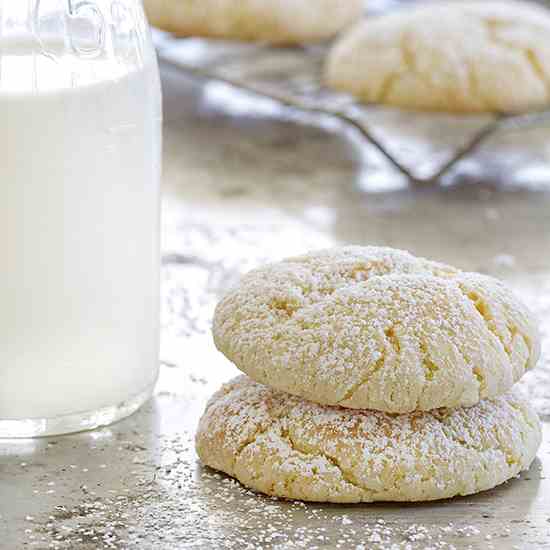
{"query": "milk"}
pixel 79 229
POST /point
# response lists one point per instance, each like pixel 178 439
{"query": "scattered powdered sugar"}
pixel 536 383
pixel 173 507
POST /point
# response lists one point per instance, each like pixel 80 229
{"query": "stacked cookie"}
pixel 372 375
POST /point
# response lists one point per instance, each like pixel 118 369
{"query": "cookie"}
pixel 288 447
pixel 465 57
pixel 376 328
pixel 272 21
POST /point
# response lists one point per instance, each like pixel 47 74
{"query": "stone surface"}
pixel 244 183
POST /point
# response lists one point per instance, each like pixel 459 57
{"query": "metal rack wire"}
pixel 292 77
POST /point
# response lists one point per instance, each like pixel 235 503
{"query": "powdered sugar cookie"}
pixel 274 21
pixel 376 328
pixel 288 447
pixel 462 56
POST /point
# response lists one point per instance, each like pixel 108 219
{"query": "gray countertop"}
pixel 245 182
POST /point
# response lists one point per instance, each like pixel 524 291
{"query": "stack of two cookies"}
pixel 372 375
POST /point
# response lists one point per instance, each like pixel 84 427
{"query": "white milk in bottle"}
pixel 79 230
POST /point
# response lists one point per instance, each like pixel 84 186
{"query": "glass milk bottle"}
pixel 80 146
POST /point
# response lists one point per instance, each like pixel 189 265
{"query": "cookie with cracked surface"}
pixel 272 21
pixel 291 448
pixel 460 57
pixel 376 328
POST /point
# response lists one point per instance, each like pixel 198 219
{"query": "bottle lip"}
pixel 62 51
pixel 77 28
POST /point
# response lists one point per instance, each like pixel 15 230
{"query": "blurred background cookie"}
pixel 460 57
pixel 272 21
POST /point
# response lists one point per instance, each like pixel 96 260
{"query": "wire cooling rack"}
pixel 292 77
